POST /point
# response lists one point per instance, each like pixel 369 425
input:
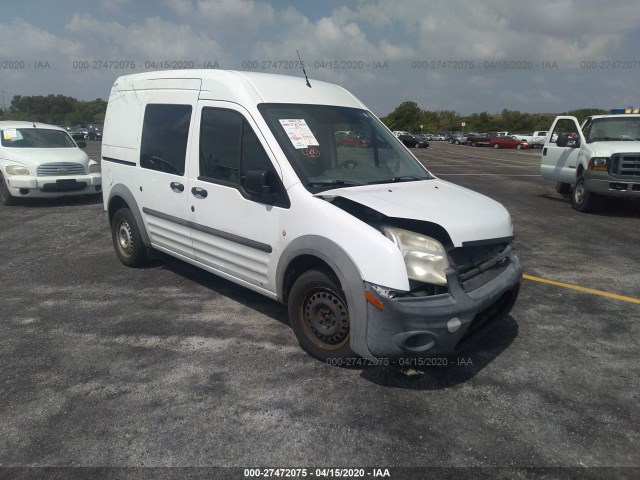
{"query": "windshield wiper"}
pixel 403 178
pixel 332 183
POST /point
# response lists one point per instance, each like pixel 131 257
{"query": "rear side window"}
pixel 164 138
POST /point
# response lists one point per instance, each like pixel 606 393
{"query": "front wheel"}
pixel 5 195
pixel 127 240
pixel 319 316
pixel 582 199
pixel 496 146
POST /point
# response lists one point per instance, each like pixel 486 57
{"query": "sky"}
pixel 543 56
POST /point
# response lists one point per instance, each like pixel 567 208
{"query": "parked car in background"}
pixel 353 139
pixel 412 141
pixel 461 138
pixel 507 141
pixel 397 133
pixel 95 132
pixel 535 139
pixel 39 160
pixel 423 142
pixel 75 133
pixel 596 159
pixel 84 130
pixel 438 138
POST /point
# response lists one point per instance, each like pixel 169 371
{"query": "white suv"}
pixel 39 160
pixel 240 174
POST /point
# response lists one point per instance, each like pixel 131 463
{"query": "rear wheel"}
pixel 5 195
pixel 319 316
pixel 127 240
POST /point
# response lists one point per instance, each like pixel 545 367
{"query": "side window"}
pixel 220 144
pixel 229 147
pixel 164 137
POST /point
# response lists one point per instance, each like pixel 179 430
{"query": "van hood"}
pixel 606 149
pixel 467 216
pixel 32 157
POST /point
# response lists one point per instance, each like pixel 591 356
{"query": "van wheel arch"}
pixel 314 252
pixel 115 204
pixel 300 265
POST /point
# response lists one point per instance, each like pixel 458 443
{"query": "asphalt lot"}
pixel 104 365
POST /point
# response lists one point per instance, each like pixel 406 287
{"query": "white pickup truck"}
pixel 599 157
pixel 535 139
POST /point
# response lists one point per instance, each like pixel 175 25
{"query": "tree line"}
pixel 62 110
pixel 55 110
pixel 409 117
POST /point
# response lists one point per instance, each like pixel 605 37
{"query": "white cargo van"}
pixel 242 175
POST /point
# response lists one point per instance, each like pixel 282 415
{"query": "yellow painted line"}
pixel 583 289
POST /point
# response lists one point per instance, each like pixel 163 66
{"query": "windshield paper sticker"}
pixel 10 134
pixel 299 133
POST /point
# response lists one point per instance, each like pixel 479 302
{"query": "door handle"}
pixel 199 192
pixel 544 152
pixel 177 187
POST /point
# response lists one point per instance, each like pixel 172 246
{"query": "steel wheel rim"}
pixel 578 193
pixel 325 318
pixel 125 238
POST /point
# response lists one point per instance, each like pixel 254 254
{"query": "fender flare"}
pixel 348 274
pixel 120 190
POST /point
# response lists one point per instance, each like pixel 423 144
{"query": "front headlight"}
pixel 424 257
pixel 94 168
pixel 17 170
pixel 598 164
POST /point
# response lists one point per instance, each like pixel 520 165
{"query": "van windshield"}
pixel 331 147
pixel 36 138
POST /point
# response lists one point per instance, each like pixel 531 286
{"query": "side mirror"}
pixel 257 182
pixel 81 144
pixel 564 140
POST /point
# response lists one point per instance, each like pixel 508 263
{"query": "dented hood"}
pixel 467 216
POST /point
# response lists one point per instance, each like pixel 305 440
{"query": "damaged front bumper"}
pixel 440 324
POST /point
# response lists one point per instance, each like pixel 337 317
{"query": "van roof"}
pixel 240 87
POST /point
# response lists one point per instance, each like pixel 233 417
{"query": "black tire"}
pixel 563 189
pixel 496 146
pixel 127 241
pixel 5 195
pixel 319 316
pixel 457 142
pixel 582 200
pixel 519 147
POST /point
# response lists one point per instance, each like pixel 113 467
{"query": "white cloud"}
pixel 155 39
